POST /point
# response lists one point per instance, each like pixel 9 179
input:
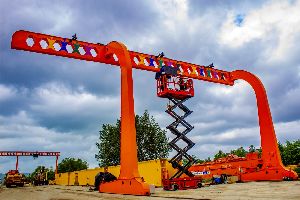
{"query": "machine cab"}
pixel 171 85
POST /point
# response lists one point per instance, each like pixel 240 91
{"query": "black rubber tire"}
pixel 199 185
pixel 174 187
pixel 108 177
pixel 98 180
pixel 103 177
pixel 223 178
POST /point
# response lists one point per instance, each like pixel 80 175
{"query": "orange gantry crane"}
pixel 116 53
pixel 34 154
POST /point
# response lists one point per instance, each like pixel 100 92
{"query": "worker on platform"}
pixel 182 84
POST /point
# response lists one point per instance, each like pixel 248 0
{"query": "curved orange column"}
pixel 129 181
pixel 272 168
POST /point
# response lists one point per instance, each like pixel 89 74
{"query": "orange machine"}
pixel 245 168
pixel 115 53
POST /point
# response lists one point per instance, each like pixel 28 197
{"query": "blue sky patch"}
pixel 239 19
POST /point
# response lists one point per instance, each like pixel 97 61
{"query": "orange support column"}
pixel 272 168
pixel 17 163
pixel 56 165
pixel 129 181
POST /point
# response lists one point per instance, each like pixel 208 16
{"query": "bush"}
pixel 297 170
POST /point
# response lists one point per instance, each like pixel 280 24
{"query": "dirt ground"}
pixel 253 190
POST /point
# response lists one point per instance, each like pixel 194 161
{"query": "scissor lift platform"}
pixel 175 87
pixel 178 89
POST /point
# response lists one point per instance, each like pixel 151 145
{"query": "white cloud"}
pixel 24 133
pixel 173 12
pixel 208 150
pixel 58 16
pixel 20 117
pixel 6 92
pixel 287 131
pixel 56 99
pixel 237 134
pixel 208 145
pixel 21 133
pixel 279 18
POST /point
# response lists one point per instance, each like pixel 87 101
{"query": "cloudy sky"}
pixel 50 103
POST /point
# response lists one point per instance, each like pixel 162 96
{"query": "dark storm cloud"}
pixel 66 109
pixel 97 21
pixel 29 70
pixel 13 105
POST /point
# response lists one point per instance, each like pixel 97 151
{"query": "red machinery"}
pixel 13 177
pixel 175 86
pixel 116 53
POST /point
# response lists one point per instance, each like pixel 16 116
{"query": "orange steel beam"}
pixel 116 54
pixel 30 153
pixel 59 46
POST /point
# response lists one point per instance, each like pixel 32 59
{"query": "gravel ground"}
pixel 253 190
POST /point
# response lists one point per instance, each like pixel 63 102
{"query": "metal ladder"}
pixel 180 135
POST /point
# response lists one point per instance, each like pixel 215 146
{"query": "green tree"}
pixel 207 160
pixel 259 152
pixel 252 148
pixel 109 145
pixel 49 171
pixel 151 141
pixel 220 154
pixel 197 160
pixel 241 152
pixel 281 150
pixel 297 170
pixel 51 174
pixel 71 164
pixel 290 152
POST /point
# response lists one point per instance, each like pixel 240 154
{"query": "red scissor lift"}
pixel 178 89
pixel 175 87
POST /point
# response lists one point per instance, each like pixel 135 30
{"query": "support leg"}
pixel 17 163
pixel 272 168
pixel 129 181
pixel 56 165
